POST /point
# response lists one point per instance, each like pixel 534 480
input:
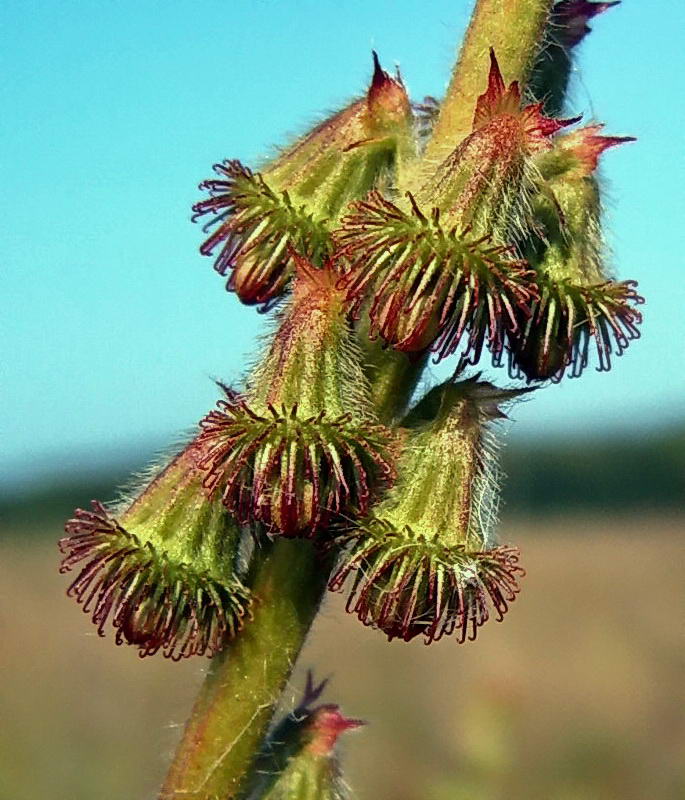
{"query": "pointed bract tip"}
pixel 495 79
pixel 379 74
pixel 548 126
pixel 312 692
pixel 588 144
pixel 499 100
pixel 489 398
pixel 327 725
pixel 496 99
pixel 387 98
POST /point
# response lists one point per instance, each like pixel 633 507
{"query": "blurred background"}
pixel 114 327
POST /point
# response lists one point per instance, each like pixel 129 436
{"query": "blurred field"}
pixel 578 695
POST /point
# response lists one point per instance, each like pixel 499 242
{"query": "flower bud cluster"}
pixel 500 249
pixel 444 268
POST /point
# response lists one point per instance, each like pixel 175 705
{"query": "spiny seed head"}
pixel 301 445
pixel 408 585
pixel 567 320
pixel 292 473
pixel 567 208
pixel 577 303
pixel 256 229
pixel 423 562
pixel 256 220
pixel 162 572
pixel 431 283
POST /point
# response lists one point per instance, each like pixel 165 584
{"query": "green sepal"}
pixel 356 150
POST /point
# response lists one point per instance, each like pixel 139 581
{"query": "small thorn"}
pixel 380 76
pixel 377 69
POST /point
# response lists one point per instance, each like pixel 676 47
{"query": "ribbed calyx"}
pixel 301 444
pixel 257 219
pixel 162 572
pixel 298 760
pixel 439 264
pixel 578 304
pixel 351 153
pixel 423 562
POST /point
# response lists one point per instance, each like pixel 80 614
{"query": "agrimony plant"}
pixel 389 232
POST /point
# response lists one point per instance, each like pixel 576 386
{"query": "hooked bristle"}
pixel 431 285
pixel 152 602
pixel 292 474
pixel 407 585
pixel 566 319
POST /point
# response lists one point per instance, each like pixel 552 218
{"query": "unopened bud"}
pixel 353 152
pixel 486 182
pixel 299 760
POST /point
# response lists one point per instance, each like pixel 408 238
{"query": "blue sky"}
pixel 114 325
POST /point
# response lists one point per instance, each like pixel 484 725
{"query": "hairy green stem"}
pixel 244 684
pixel 243 687
pixel 515 29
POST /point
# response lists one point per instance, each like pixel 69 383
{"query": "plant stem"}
pixel 515 29
pixel 244 683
